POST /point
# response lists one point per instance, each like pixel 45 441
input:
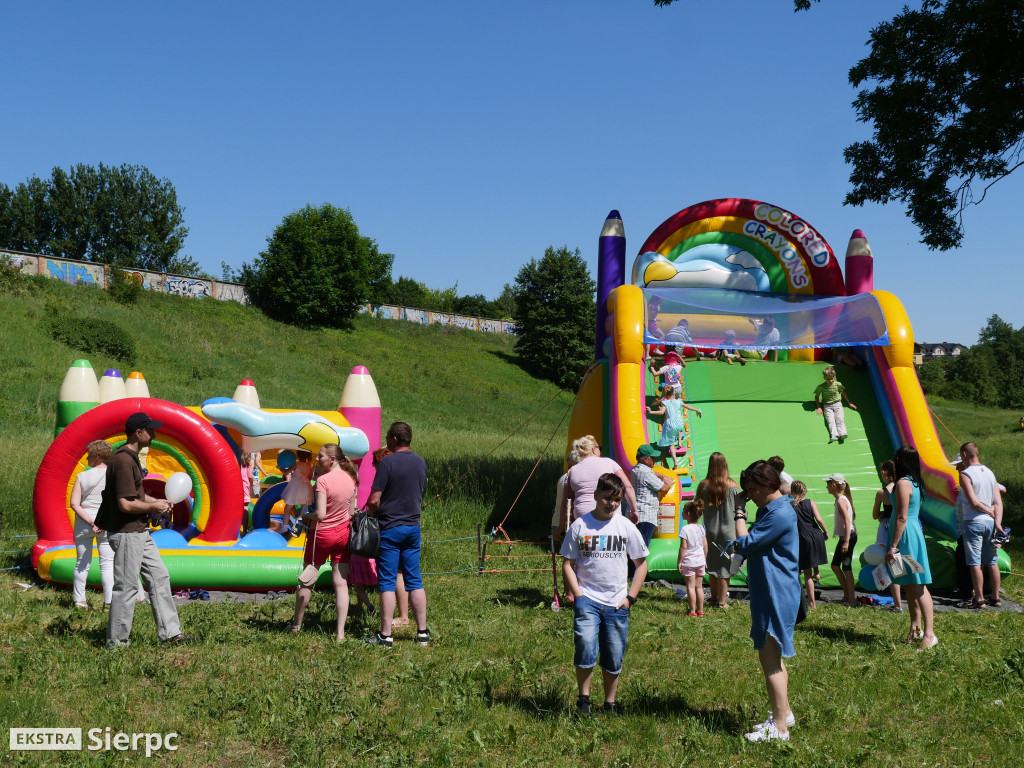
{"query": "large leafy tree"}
pixel 946 102
pixel 554 312
pixel 317 269
pixel 121 215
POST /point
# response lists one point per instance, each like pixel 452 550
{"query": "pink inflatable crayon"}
pixel 360 405
pixel 860 265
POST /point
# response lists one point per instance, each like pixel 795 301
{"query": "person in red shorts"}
pixel 329 530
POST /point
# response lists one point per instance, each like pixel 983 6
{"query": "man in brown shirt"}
pixel 123 515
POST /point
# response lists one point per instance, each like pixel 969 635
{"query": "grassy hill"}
pixel 461 391
pixel 496 687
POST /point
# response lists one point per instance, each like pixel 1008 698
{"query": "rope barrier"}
pixel 529 476
pixel 508 437
pixel 934 416
pixel 446 541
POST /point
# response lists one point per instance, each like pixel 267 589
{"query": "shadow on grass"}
pixel 839 634
pixel 550 703
pixel 520 597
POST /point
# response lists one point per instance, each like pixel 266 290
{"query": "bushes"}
pixel 90 334
pixel 11 279
pixel 122 287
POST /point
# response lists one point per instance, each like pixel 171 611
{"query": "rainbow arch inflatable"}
pixel 745 250
pixel 205 547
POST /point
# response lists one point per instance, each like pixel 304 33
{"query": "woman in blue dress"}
pixel 772 549
pixel 907 538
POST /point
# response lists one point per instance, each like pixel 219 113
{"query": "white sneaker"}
pixel 767 731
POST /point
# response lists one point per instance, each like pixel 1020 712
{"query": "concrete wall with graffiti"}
pixel 429 317
pixel 91 273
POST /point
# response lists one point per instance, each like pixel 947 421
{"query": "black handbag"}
pixel 364 535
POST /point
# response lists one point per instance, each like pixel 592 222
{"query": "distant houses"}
pixel 931 351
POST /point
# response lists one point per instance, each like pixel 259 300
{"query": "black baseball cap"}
pixel 141 421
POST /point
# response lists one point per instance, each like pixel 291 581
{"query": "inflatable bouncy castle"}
pixel 203 545
pixel 719 265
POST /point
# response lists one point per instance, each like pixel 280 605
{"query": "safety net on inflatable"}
pixel 727 318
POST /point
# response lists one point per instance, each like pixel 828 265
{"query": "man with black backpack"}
pixel 123 514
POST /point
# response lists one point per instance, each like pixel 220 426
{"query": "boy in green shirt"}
pixel 828 398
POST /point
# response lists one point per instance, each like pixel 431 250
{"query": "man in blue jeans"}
pixel 395 499
pixel 595 551
pixel 980 509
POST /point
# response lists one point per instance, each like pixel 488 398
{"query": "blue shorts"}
pixel 978 549
pixel 598 627
pixel 399 548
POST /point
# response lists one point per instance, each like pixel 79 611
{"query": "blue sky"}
pixel 465 137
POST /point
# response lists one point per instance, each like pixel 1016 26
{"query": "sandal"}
pixel 916 634
pixel 291 629
pixel 995 603
pixel 973 605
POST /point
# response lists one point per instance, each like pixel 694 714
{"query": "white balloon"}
pixel 874 555
pixel 178 487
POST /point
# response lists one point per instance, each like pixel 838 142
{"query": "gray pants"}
pixel 136 554
pixel 835 419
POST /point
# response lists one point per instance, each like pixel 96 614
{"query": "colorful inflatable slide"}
pixel 719 265
pixel 203 546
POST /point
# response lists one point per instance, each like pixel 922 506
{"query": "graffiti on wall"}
pixel 74 272
pixel 148 280
pixel 188 287
pixel 231 292
pixel 426 317
pixel 22 262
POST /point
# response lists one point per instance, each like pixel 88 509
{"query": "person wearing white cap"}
pixel 845 532
pixel 123 514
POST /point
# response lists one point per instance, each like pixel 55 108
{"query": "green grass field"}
pixel 497 686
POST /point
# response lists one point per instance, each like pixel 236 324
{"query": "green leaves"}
pixel 115 215
pixel 317 269
pixel 555 313
pixel 948 85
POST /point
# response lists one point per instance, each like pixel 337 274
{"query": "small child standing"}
pixel 594 555
pixel 828 398
pixel 693 556
pixel 672 370
pixel 671 407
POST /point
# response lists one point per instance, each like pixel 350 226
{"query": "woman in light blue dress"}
pixel 772 549
pixel 907 539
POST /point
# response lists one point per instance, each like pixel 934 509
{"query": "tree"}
pixel 946 109
pixel 317 269
pixel 121 215
pixel 554 316
pixel 505 304
pixel 406 292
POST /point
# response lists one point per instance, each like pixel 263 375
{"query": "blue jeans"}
pixel 399 548
pixel 978 549
pixel 599 628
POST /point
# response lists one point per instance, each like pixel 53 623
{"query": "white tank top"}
pixel 985 490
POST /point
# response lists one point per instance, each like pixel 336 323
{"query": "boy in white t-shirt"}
pixel 595 552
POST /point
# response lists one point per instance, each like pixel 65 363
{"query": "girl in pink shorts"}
pixel 693 555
